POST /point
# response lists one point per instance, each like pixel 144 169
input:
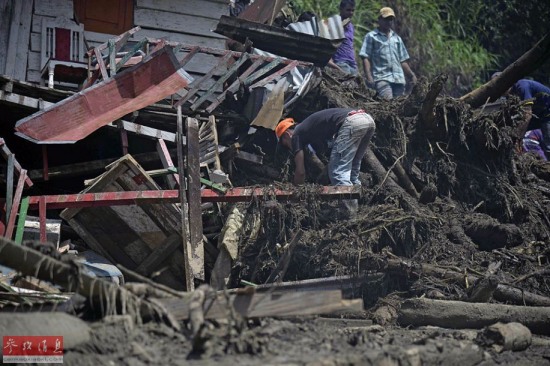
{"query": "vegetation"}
pixel 466 39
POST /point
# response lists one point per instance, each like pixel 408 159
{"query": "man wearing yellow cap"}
pixel 385 58
pixel 352 130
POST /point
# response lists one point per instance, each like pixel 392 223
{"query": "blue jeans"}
pixel 347 68
pixel 350 145
pixel 389 90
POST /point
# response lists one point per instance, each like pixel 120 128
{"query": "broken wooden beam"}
pixel 172 196
pixel 249 304
pixel 74 118
pixel 5 152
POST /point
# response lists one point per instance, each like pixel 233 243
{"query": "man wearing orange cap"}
pixel 385 58
pixel 351 129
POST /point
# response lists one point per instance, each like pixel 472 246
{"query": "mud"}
pixel 446 188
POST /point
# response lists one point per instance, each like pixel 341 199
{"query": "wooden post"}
pixel 166 159
pixel 16 201
pixel 9 185
pixel 123 137
pixel 190 286
pixel 45 174
pixel 42 218
pixel 194 198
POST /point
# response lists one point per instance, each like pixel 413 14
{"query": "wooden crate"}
pixel 145 238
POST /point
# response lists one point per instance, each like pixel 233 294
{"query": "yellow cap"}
pixel 387 12
pixel 284 125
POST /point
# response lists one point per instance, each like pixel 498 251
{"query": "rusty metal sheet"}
pixel 262 11
pixel 282 42
pixel 74 118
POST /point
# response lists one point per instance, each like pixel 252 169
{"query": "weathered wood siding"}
pixel 189 21
pixel 14 36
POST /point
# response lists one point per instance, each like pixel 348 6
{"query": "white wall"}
pixel 189 22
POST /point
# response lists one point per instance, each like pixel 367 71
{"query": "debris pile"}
pixel 452 229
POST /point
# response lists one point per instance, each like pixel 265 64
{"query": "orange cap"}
pixel 284 125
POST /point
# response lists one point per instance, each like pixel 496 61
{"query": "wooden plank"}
pixel 101 63
pixel 193 198
pixel 204 40
pixel 15 205
pixel 145 196
pixel 159 255
pixel 6 10
pixel 13 46
pixel 166 159
pixel 5 152
pixel 54 8
pixel 9 182
pixel 201 8
pixel 155 19
pixel 79 115
pixel 147 131
pixel 235 86
pixel 275 76
pixel 189 279
pixel 196 84
pixel 219 83
pixel 257 305
pixel 23 37
pixel 21 220
pixel 18 99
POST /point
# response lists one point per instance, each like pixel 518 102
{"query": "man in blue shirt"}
pixel 344 58
pixel 385 58
pixel 537 103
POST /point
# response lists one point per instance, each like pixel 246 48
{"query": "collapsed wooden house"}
pixel 148 78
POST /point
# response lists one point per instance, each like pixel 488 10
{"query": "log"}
pixel 505 337
pixel 462 315
pixel 526 64
pixel 503 292
pixel 105 297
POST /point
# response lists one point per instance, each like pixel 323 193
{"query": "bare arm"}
pixel 332 64
pixel 368 73
pixel 408 71
pixel 300 170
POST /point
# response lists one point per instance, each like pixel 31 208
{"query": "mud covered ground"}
pixel 304 341
pixel 443 185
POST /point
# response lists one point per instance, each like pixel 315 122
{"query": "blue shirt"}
pixel 530 89
pixel 385 55
pixel 346 53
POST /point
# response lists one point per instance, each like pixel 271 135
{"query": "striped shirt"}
pixel 385 55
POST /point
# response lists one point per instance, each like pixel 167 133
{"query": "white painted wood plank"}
pixel 33 76
pixel 54 8
pixel 37 22
pixel 203 8
pixel 5 10
pixel 202 41
pixel 23 40
pixel 33 62
pixel 13 38
pixel 175 22
pixel 36 42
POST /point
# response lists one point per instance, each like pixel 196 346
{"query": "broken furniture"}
pixel 62 57
pixel 145 238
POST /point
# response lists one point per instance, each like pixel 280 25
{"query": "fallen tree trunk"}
pixel 105 297
pixel 503 292
pixel 527 63
pixel 461 315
